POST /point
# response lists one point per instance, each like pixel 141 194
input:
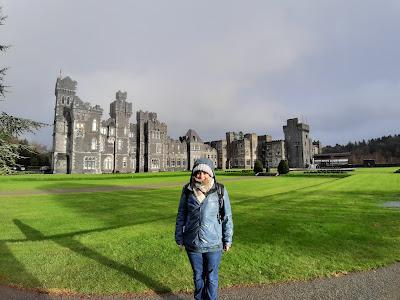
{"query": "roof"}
pixel 192 136
pixel 324 155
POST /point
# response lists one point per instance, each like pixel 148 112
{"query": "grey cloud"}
pixel 244 65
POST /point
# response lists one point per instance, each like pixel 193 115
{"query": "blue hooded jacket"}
pixel 197 224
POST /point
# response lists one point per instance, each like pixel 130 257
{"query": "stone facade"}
pixel 220 146
pixel 84 143
pixel 243 150
pixel 270 152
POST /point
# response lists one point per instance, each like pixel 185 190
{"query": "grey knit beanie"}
pixel 205 165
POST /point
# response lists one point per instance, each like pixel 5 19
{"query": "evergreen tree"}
pixel 283 167
pixel 258 167
pixel 383 150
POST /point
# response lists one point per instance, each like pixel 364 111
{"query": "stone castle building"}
pixel 242 150
pixel 85 143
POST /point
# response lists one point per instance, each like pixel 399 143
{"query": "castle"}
pixel 84 143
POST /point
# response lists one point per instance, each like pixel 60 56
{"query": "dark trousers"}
pixel 205 274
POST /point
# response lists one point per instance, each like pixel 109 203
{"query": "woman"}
pixel 204 227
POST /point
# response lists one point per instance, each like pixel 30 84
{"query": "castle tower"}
pixel 121 111
pixel 142 144
pixel 252 137
pixel 62 130
pixel 298 143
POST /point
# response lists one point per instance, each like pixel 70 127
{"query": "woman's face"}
pixel 201 176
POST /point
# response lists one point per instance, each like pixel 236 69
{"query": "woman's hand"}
pixel 227 247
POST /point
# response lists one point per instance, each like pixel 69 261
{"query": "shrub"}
pixel 258 167
pixel 283 167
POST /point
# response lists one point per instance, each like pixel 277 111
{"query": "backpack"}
pixel 220 190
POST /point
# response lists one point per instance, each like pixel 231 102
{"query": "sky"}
pixel 214 66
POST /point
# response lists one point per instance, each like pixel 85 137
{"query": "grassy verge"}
pixel 286 227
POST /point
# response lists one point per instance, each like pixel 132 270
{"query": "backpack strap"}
pixel 221 211
pixel 187 194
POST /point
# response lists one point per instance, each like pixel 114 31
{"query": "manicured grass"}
pixel 286 227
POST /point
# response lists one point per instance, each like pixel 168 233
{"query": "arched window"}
pixel 108 163
pixel 94 125
pixel 94 143
pixel 67 100
pixel 119 144
pixel 124 162
pixel 89 163
pixel 62 100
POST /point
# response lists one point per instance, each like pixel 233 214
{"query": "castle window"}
pixel 124 162
pixel 67 100
pixel 103 130
pixel 94 125
pixel 89 163
pixel 108 163
pixel 62 100
pixel 101 144
pixel 125 130
pixel 111 130
pixel 94 144
pixel 120 144
pixel 155 164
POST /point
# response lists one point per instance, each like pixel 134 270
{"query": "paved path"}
pixel 380 284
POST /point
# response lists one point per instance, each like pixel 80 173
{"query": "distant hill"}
pixel 384 150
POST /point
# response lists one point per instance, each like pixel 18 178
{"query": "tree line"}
pixel 384 150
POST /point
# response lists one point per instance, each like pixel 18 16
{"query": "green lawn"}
pixel 286 228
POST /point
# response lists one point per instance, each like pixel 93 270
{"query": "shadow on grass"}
pixel 119 207
pixel 23 274
pixel 79 248
pixel 38 236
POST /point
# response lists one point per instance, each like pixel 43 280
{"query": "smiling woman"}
pixel 204 227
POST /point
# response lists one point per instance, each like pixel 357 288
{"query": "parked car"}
pixel 45 170
pixel 18 167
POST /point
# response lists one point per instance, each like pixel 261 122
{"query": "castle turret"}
pixel 121 111
pixel 62 131
pixel 298 143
